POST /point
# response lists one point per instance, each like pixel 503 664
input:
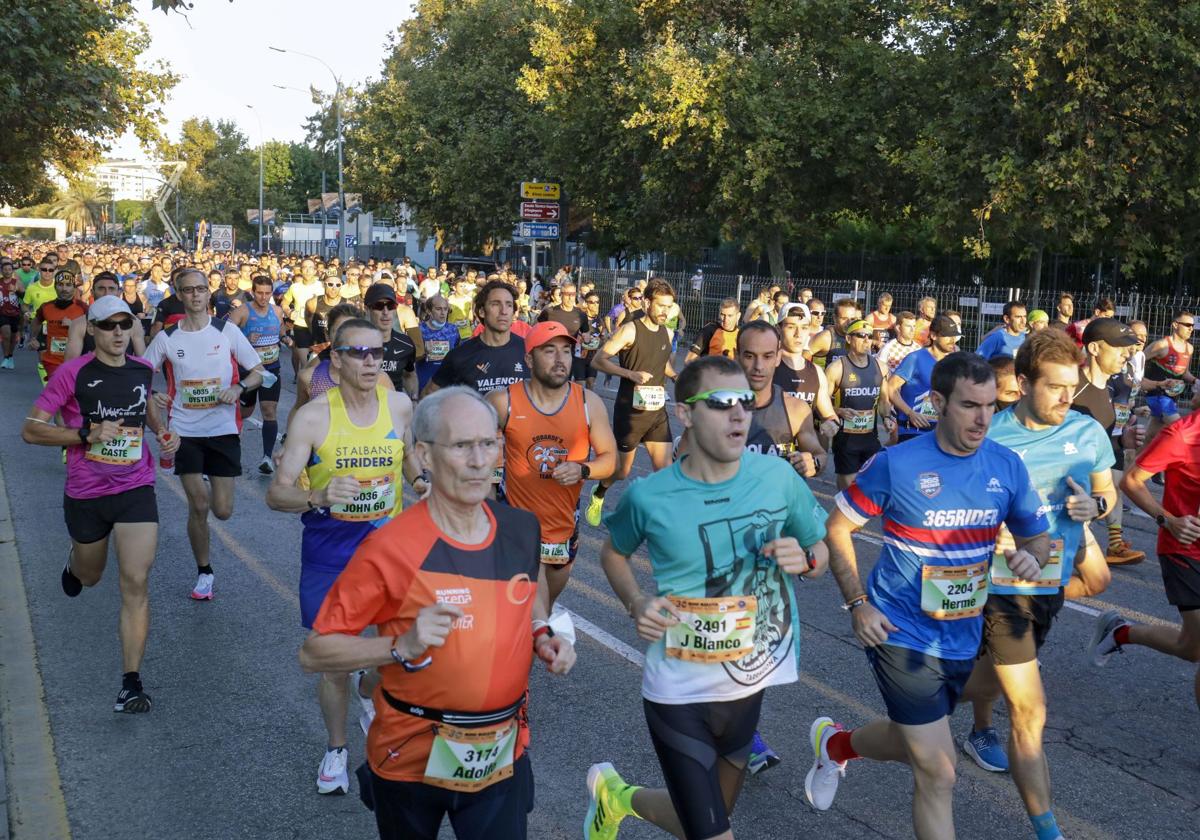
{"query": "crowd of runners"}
pixel 487 399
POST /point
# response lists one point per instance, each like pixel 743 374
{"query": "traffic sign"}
pixel 221 237
pixel 538 230
pixel 351 240
pixel 539 189
pixel 540 211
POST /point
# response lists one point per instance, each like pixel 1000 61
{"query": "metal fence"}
pixel 382 251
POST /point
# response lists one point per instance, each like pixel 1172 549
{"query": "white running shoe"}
pixel 1104 643
pixel 368 705
pixel 253 423
pixel 265 466
pixel 332 777
pixel 203 590
pixel 821 783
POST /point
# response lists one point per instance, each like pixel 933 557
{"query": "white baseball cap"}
pixel 108 306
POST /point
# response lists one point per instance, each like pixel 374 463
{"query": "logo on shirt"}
pixel 930 484
pixel 94 383
pixel 517 368
pixel 546 453
pixel 1069 449
pixel 520 589
pixel 482 367
pixel 460 596
pixel 994 485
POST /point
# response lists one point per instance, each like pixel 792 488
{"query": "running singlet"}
pixel 484 664
pixel 198 366
pixel 885 322
pixel 858 391
pixel 462 314
pixel 10 300
pixel 916 370
pixel 439 341
pixel 587 348
pixel 299 293
pixel 741 628
pixel 536 443
pixel 263 331
pixel 715 341
pixel 771 430
pixel 55 330
pixel 801 384
pixel 941 514
pixel 650 352
pixel 1078 447
pixel 319 324
pixel 483 367
pixel 87 389
pixel 837 347
pixel 1171 366
pixel 322 379
pixel 223 301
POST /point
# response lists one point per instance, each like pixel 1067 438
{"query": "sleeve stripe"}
pixel 861 500
pixel 849 510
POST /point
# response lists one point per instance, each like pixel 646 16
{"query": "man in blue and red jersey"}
pixel 943 497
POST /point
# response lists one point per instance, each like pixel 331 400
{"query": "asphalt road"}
pixel 232 746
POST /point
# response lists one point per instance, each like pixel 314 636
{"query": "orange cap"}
pixel 544 332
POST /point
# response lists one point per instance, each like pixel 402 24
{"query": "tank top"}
pixel 461 314
pixel 155 293
pixel 650 352
pixel 56 329
pixel 1121 392
pixel 263 332
pixel 10 300
pixel 771 430
pixel 319 325
pixel 321 380
pixel 858 390
pixel 534 444
pixel 372 455
pixel 837 348
pixel 801 384
pixel 1175 363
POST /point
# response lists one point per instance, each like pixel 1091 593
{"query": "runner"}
pixel 104 400
pixel 719 337
pixel 882 317
pixel 910 388
pixel 549 426
pixel 1039 319
pixel 1104 309
pixel 317 376
pixel 154 286
pixel 262 323
pixel 450 586
pixel 926 315
pixel 440 338
pixel 136 302
pixel 51 328
pixel 1166 375
pixel 831 342
pixel 1006 340
pixel 858 387
pixel 170 310
pixel 942 497
pixel 495 358
pixel 595 337
pixel 722 620
pixel 228 296
pixel 316 310
pixel 640 409
pixel 200 357
pixel 399 354
pixel 1064 310
pixel 1068 456
pixel 1175 452
pixel 1007 389
pixel 350 443
pixel 761 305
pixel 799 377
pixel 304 286
pixel 574 319
pixel 39 291
pixel 894 351
pixel 462 307
pixel 11 292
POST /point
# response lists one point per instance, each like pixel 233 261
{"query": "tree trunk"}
pixel 775 254
pixel 1035 273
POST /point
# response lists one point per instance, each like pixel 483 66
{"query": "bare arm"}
pixel 76 330
pixel 604 443
pixel 647 611
pixel 1186 529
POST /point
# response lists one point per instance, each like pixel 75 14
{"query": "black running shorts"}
pixel 302 337
pixel 1181 580
pixel 1015 626
pixel 91 520
pixel 219 456
pixel 850 452
pixel 633 427
pixel 917 688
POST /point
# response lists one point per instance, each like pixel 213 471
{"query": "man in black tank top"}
pixel 639 354
pixel 857 383
pixel 799 377
pixel 316 311
pixel 831 343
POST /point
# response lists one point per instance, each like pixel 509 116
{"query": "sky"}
pixel 221 52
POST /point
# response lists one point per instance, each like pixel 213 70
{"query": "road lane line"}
pixel 36 807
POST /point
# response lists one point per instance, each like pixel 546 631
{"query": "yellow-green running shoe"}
pixel 605 810
pixel 595 510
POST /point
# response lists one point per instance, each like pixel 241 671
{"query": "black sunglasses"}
pixel 126 324
pixel 381 305
pixel 361 353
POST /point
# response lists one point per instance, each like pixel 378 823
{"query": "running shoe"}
pixel 332 777
pixel 265 466
pixel 985 749
pixel 821 783
pixel 595 510
pixel 762 757
pixel 71 585
pixel 253 423
pixel 203 591
pixel 605 811
pixel 1121 554
pixel 132 702
pixel 7 364
pixel 368 705
pixel 1104 643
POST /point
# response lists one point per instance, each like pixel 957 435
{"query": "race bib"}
pixel 1174 387
pixel 1051 575
pixel 469 760
pixel 375 500
pixel 436 350
pixel 926 408
pixel 556 554
pixel 200 393
pixel 859 422
pixel 592 343
pixel 122 451
pixel 498 475
pixel 712 629
pixel 953 592
pixel 58 346
pixel 1122 412
pixel 269 354
pixel 649 397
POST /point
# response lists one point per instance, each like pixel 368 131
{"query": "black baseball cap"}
pixel 1110 330
pixel 945 327
pixel 378 292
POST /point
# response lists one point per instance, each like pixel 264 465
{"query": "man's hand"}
pixel 1081 507
pixel 640 377
pixel 168 442
pixel 870 625
pixel 918 420
pixel 829 427
pixel 104 432
pixel 231 394
pixel 556 652
pixel 568 473
pixel 1185 529
pixel 162 400
pixel 804 463
pixel 788 554
pixel 341 490
pixel 1023 564
pixel 431 628
pixel 1133 437
pixel 649 619
pixel 33 344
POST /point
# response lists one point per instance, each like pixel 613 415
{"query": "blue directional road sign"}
pixel 351 240
pixel 539 230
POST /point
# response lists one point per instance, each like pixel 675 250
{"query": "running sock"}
pixel 1114 534
pixel 624 798
pixel 1121 635
pixel 204 570
pixel 131 681
pixel 1045 826
pixel 269 430
pixel 839 747
pixel 600 490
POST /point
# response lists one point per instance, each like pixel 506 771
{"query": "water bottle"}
pixel 166 460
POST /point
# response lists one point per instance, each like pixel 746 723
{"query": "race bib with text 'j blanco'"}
pixel 712 629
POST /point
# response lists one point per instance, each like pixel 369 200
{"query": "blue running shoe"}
pixel 762 757
pixel 985 749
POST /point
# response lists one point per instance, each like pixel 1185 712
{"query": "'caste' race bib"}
pixel 712 629
pixel 122 451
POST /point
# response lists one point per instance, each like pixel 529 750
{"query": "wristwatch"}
pixel 1161 519
pixel 84 431
pixel 1101 506
pixel 584 471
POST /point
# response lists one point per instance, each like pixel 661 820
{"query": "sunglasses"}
pixel 860 335
pixel 381 305
pixel 1188 324
pixel 360 353
pixel 126 324
pixel 333 285
pixel 816 313
pixel 635 297
pixel 723 399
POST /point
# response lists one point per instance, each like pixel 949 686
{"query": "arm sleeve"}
pixel 626 524
pixel 806 517
pixel 869 493
pixel 1164 451
pixel 1025 517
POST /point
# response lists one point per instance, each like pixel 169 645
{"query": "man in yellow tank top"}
pixel 352 442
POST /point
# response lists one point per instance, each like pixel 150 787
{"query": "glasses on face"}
pixel 333 284
pixel 723 399
pixel 361 353
pixel 816 313
pixel 1188 324
pixel 192 290
pixel 381 305
pixel 863 335
pixel 463 448
pixel 635 297
pixel 125 324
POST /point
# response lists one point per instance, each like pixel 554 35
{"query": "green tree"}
pixel 79 205
pixel 70 83
pixel 221 179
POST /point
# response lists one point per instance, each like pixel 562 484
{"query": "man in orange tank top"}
pixel 550 426
pixel 52 325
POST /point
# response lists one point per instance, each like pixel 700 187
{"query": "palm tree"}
pixel 79 205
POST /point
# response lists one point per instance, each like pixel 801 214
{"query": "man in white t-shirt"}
pixel 199 356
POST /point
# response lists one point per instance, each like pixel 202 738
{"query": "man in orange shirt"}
pixel 453 585
pixel 52 325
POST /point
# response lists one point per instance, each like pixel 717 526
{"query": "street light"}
pixel 337 99
pixel 260 177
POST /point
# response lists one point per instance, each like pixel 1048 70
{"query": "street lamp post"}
pixel 260 178
pixel 337 99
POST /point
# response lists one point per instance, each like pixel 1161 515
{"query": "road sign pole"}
pixel 532 264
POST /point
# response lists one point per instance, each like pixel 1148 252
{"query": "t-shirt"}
pixel 483 367
pixel 38 293
pixel 1000 343
pixel 917 371
pixel 399 357
pixel 1175 452
pixel 575 320
pixel 1078 447
pixel 1095 402
pixel 169 311
pixel 484 665
pixel 705 541
pixel 894 352
pixel 198 366
pixel 86 388
pixel 713 340
pixel 941 513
